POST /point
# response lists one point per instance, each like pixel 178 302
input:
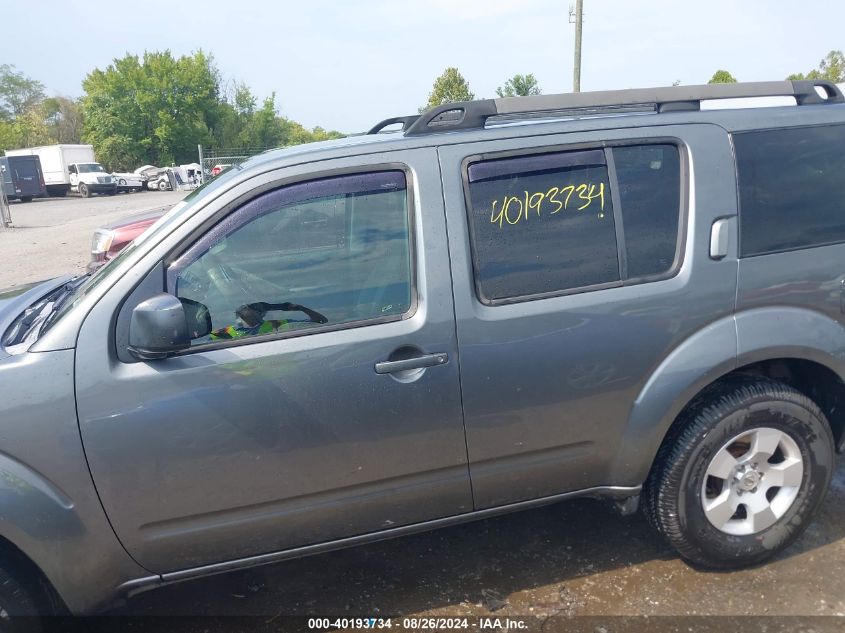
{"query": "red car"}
pixel 110 239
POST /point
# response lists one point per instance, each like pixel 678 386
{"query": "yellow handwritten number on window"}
pixel 515 209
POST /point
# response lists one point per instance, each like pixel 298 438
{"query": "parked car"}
pixel 21 177
pixel 110 239
pixel 186 176
pixel 643 305
pixel 129 181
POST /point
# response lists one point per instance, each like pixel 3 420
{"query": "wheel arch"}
pixel 32 578
pixel 809 356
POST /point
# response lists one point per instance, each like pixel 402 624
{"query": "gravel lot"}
pixel 572 559
pixel 52 236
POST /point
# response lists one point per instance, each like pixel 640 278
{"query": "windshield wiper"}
pixel 60 296
pixel 39 313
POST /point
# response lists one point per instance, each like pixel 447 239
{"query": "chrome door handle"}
pixel 418 362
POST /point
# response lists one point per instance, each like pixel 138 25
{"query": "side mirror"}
pixel 165 324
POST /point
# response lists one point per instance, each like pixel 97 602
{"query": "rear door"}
pixel 26 175
pixel 339 415
pixel 580 261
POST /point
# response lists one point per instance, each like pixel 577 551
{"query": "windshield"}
pixel 161 226
pixel 86 168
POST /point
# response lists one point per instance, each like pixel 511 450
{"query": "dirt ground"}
pixel 575 566
pixel 52 236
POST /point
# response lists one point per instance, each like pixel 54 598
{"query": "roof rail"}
pixel 468 115
pixel 406 122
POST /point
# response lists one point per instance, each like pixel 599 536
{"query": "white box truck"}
pixel 70 168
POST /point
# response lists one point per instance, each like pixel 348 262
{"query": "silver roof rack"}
pixel 468 115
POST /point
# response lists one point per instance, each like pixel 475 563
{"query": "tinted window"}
pixel 331 251
pixel 541 224
pixel 25 170
pixel 649 187
pixel 791 188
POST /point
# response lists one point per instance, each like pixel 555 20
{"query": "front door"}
pixel 325 404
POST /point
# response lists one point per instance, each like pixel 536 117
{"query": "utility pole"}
pixel 576 71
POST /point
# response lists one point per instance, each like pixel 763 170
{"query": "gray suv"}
pixel 508 303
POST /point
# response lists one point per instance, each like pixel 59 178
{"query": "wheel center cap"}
pixel 748 480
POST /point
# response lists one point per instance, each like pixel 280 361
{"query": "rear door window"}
pixel 791 188
pixel 559 222
pixel 542 224
pixel 649 188
pixel 25 170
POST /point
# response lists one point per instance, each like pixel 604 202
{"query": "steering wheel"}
pixel 255 312
pixel 223 279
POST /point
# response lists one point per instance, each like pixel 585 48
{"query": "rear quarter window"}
pixel 791 188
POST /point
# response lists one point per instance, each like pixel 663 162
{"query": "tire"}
pixel 732 438
pixel 122 182
pixel 83 190
pixel 162 186
pixel 19 610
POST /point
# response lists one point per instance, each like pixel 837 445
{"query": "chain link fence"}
pixel 215 159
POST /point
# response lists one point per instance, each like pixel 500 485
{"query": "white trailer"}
pixel 70 168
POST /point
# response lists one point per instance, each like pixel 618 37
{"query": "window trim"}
pixel 792 249
pixel 411 209
pixel 607 146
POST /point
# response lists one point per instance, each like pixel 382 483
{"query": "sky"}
pixel 347 65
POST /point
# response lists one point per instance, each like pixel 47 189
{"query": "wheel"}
pixel 743 474
pixel 122 182
pixel 112 192
pixel 162 185
pixel 83 191
pixel 26 199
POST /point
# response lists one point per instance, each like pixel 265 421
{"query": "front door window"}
pixel 311 255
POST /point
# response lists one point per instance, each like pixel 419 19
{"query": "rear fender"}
pixel 714 351
pixel 698 361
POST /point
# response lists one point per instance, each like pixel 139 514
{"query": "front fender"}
pixel 49 508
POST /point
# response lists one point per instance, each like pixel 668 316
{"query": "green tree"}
pixel 449 87
pixel 63 117
pixel 154 109
pixel 520 86
pixel 18 93
pixel 233 115
pixel 831 68
pixel 722 77
pixel 263 128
